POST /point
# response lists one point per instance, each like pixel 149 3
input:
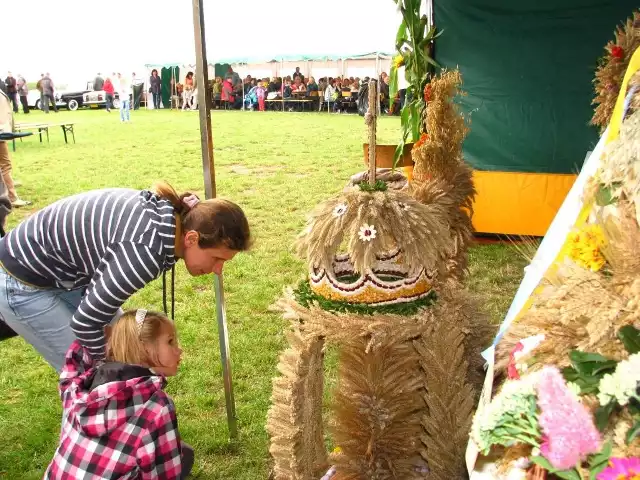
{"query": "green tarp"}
pixel 166 75
pixel 528 67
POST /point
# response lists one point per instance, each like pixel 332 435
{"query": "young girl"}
pixel 261 93
pixel 117 420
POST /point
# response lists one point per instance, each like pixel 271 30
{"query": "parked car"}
pixel 73 100
pixel 33 100
pixel 97 98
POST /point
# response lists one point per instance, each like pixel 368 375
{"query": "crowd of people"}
pixel 339 94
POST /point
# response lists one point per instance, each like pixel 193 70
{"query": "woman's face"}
pixel 203 261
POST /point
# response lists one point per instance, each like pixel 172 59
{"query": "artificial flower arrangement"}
pixel 558 418
pixel 569 406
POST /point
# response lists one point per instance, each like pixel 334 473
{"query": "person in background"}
pixel 297 74
pixel 298 86
pixel 98 83
pixel 109 91
pixel 155 87
pixel 312 86
pixel 216 90
pixel 124 92
pixel 12 91
pixel 48 96
pixel 233 77
pixel 23 91
pixel 227 92
pixel 39 88
pixel 137 85
pixel 6 126
pixel 261 93
pixel 187 92
pixel 117 421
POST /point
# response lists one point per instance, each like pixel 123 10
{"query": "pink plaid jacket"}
pixel 125 429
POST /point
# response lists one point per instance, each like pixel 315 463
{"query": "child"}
pixel 260 93
pixel 117 420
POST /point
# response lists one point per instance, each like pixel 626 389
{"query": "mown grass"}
pixel 277 166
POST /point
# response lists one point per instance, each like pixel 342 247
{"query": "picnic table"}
pixel 279 103
pixel 40 128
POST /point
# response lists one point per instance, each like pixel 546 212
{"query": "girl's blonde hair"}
pixel 218 222
pixel 127 343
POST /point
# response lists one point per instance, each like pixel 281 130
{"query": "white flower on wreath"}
pixel 367 233
pixel 339 210
pixel 620 385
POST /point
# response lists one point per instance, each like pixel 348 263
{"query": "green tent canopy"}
pixel 528 67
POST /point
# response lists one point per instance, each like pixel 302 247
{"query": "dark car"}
pixel 73 100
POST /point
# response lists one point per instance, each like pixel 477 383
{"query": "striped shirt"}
pixel 111 242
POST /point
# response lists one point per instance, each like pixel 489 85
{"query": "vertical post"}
pixel 204 108
pixel 372 121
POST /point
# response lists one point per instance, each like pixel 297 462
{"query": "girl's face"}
pixel 168 352
pixel 202 261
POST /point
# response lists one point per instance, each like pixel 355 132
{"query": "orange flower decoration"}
pixel 427 93
pixel 423 138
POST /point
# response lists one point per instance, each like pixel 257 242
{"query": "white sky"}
pixel 74 39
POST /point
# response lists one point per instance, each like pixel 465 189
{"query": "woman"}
pixel 187 93
pixel 66 270
pixel 155 86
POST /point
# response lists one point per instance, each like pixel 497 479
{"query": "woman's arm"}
pixel 125 269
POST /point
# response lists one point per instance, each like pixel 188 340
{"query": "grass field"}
pixel 277 166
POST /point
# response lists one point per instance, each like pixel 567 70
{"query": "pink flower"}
pixel 566 424
pixel 621 469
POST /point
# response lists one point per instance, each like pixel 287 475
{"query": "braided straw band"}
pixel 141 313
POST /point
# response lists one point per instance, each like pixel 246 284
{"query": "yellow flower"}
pixel 398 61
pixel 337 450
pixel 584 247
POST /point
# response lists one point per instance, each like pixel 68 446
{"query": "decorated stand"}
pixel 382 293
pixel 567 365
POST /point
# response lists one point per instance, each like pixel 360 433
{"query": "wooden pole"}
pixel 204 107
pixel 372 118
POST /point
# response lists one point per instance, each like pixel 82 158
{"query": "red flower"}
pixel 512 371
pixel 617 52
pixel 427 93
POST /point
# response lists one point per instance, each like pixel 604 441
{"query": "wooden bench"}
pixel 40 128
pixel 300 101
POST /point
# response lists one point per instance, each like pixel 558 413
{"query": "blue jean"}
pixel 125 105
pixel 41 316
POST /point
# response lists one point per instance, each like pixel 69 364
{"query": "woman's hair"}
pixel 218 222
pixel 127 343
pixel 154 70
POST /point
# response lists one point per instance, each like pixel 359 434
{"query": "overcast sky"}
pixel 74 39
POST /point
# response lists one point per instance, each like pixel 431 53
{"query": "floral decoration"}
pixel 621 469
pixel 339 210
pixel 367 233
pixel 585 248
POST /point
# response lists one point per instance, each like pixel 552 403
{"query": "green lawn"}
pixel 277 166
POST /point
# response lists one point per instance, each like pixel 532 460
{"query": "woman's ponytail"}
pixel 166 191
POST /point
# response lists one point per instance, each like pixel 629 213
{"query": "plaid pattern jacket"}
pixel 119 430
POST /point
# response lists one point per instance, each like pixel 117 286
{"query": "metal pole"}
pixel 204 108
